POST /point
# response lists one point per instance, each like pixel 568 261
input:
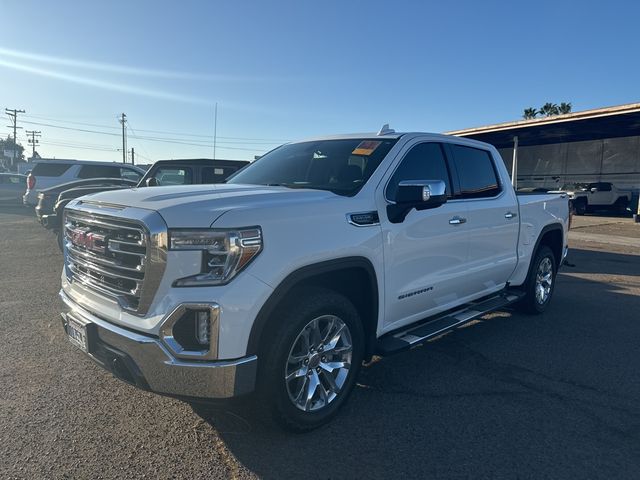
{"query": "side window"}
pixel 604 187
pixel 129 174
pixel 99 171
pixel 174 176
pixel 425 161
pixel 476 172
pixel 43 169
pixel 214 174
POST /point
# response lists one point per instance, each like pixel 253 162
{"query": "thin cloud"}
pixel 123 69
pixel 117 87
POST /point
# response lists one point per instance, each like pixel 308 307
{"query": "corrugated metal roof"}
pixel 608 122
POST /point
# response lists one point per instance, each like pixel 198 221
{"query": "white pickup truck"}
pixel 587 197
pixel 306 263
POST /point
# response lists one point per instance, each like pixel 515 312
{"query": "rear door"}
pixel 424 255
pixel 492 219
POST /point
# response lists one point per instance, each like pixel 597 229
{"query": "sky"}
pixel 286 70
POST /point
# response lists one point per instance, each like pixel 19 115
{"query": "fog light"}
pixel 203 327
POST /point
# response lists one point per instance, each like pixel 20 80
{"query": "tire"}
pixel 541 276
pixel 621 205
pixel 287 353
pixel 581 207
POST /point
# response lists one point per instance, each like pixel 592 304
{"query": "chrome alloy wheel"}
pixel 544 280
pixel 319 362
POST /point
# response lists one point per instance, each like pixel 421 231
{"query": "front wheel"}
pixel 581 207
pixel 312 359
pixel 540 282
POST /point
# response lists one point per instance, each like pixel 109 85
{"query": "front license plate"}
pixel 77 334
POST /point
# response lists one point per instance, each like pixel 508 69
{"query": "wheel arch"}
pixel 354 277
pixel 553 237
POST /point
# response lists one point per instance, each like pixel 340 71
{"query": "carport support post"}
pixel 514 165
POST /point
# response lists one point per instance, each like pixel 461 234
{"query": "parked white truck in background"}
pixel 587 197
pixel 312 259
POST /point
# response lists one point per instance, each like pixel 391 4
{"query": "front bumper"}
pixel 144 361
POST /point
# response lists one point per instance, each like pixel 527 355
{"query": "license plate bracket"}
pixel 77 334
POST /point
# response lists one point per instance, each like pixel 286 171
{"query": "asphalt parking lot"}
pixel 507 396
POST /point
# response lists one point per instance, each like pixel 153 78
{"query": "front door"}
pixel 426 253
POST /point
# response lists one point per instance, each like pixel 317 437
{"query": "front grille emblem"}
pixel 89 240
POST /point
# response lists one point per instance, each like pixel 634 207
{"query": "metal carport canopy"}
pixel 610 122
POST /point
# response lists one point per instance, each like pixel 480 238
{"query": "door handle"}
pixel 510 215
pixel 457 220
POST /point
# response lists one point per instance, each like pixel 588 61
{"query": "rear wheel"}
pixel 312 359
pixel 621 205
pixel 581 207
pixel 540 282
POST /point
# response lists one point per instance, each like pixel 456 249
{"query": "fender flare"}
pixel 546 229
pixel 303 273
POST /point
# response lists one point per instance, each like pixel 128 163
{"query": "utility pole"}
pixel 123 121
pixel 133 156
pixel 33 140
pixel 215 129
pixel 13 115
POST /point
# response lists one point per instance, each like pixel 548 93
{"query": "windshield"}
pixel 340 166
pixel 574 186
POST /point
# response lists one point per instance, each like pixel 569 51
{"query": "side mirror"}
pixel 594 190
pixel 418 194
pixel 152 182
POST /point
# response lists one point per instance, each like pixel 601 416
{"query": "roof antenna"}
pixel 385 130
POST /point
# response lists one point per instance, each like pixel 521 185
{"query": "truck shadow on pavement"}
pixel 506 395
pixel 603 263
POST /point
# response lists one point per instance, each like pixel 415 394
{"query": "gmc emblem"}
pixel 89 241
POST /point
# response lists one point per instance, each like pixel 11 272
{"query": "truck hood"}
pixel 201 205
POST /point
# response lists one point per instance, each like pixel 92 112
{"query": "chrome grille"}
pixel 107 255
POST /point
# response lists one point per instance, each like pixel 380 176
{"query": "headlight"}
pixel 224 253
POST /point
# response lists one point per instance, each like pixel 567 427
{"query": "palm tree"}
pixel 564 108
pixel 549 109
pixel 530 113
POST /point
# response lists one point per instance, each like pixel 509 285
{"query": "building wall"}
pixel 615 160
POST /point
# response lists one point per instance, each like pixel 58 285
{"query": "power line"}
pixel 150 139
pixel 80 147
pixel 166 140
pixel 135 135
pixel 164 132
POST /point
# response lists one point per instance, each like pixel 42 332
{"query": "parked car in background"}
pixel 49 173
pixel 588 197
pixel 49 197
pixel 12 187
pixel 190 171
pixel 51 201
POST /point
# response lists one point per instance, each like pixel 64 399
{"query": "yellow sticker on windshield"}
pixel 366 147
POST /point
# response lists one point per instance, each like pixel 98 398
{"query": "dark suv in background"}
pixel 190 171
pixel 51 201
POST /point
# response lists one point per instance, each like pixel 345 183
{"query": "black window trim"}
pixel 458 189
pixel 447 163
